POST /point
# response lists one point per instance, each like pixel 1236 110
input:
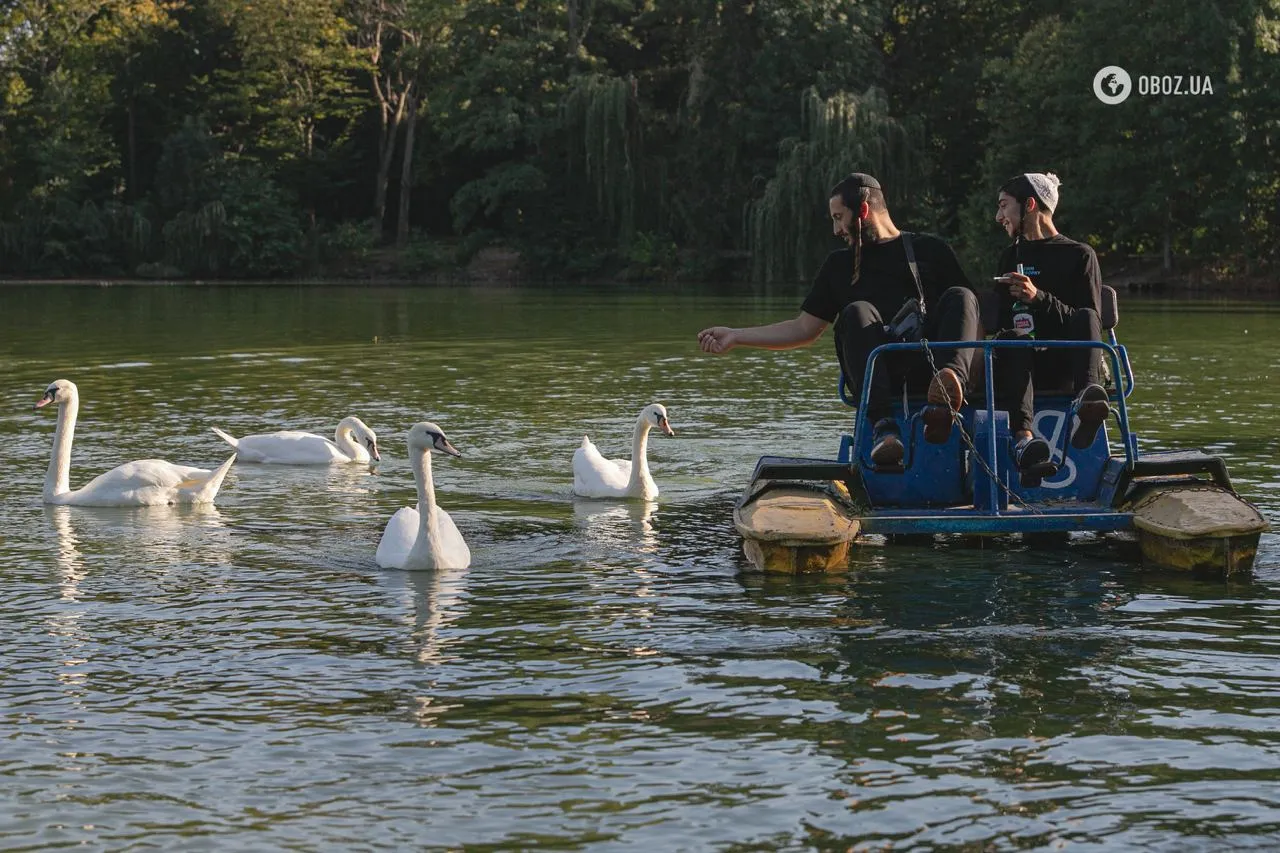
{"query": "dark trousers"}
pixel 860 329
pixel 1018 371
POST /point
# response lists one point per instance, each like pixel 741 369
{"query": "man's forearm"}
pixel 787 334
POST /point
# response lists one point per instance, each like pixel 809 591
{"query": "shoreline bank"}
pixel 504 270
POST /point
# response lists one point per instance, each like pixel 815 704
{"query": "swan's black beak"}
pixel 442 444
pixel 665 426
pixel 373 450
pixel 44 401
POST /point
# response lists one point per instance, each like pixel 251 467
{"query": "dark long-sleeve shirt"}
pixel 1064 271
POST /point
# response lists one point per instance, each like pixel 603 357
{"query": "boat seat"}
pixel 807 469
pixel 1110 308
pixel 1180 463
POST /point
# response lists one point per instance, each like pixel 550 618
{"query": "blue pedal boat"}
pixel 800 514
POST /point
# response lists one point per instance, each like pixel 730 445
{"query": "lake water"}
pixel 606 675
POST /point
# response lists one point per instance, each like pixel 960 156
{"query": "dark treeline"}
pixel 605 138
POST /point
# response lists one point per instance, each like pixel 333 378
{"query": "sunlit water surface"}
pixel 606 674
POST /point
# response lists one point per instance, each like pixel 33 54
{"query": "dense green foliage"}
pixel 634 138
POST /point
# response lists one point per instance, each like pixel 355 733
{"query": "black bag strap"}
pixel 915 268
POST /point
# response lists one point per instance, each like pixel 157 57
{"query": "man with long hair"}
pixel 861 288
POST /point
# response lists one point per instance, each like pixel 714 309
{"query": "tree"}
pixel 934 57
pixel 223 216
pixel 844 133
pixel 1156 174
pixel 497 116
pixel 288 97
pixel 382 36
pixel 66 196
pixel 1258 103
pixel 54 99
pixel 609 137
pixel 407 47
pixel 127 38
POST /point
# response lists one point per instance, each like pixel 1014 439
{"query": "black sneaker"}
pixel 1092 408
pixel 886 444
pixel 1032 456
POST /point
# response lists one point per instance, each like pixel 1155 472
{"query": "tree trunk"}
pixel 391 121
pixel 575 22
pixel 386 146
pixel 1168 246
pixel 406 172
pixel 132 194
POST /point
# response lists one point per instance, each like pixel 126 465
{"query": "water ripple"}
pixel 606 674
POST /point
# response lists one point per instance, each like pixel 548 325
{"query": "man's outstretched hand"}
pixel 716 339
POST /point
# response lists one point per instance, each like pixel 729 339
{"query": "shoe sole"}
pixel 945 397
pixel 1035 465
pixel 1031 476
pixel 1091 414
pixel 890 455
pixel 1037 453
pixel 945 390
pixel 937 423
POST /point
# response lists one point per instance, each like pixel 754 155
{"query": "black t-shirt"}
pixel 885 280
pixel 1065 271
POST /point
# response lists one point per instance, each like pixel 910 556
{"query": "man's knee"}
pixel 959 298
pixel 1012 359
pixel 860 314
pixel 958 309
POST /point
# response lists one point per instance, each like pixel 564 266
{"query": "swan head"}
pixel 427 436
pixel 366 437
pixel 59 391
pixel 655 415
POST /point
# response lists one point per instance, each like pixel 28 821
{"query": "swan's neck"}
pixel 58 479
pixel 640 476
pixel 426 547
pixel 344 436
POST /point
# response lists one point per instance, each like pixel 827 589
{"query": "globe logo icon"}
pixel 1112 84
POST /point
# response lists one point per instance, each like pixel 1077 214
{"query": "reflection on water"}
pixel 621 524
pixel 606 672
pixel 69 560
pixel 432 602
pixel 172 537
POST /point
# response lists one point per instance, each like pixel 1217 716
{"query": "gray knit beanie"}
pixel 1045 185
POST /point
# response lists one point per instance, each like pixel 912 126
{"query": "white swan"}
pixel 352 442
pixel 597 477
pixel 147 482
pixel 423 537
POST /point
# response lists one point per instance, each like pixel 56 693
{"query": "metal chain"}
pixel 964 436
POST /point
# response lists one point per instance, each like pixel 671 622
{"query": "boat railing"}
pixel 1119 363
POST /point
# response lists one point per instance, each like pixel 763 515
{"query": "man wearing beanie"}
pixel 1058 278
pixel 861 288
